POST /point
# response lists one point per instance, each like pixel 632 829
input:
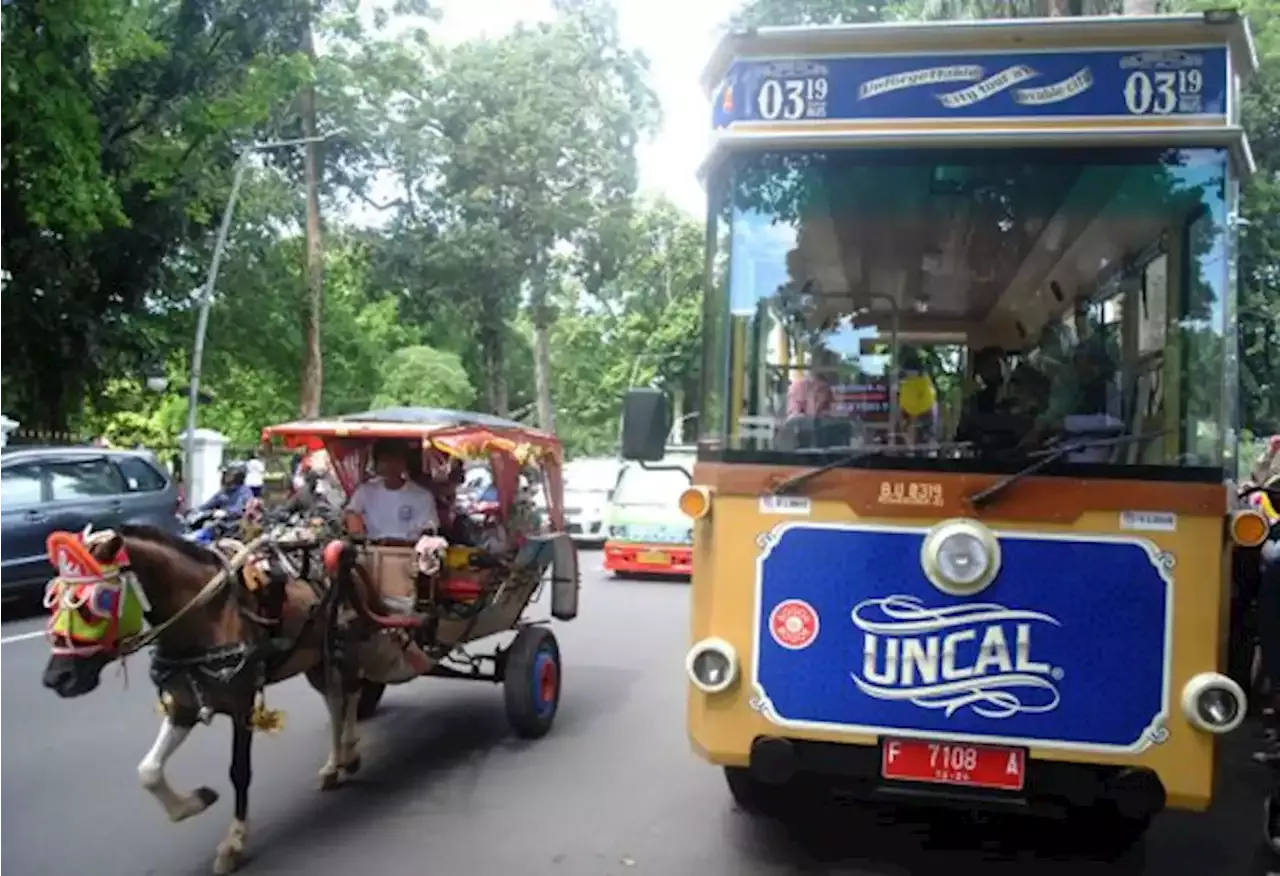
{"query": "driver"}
pixel 390 505
pixel 231 500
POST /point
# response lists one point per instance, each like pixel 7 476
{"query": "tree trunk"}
pixel 542 317
pixel 495 369
pixel 1139 7
pixel 312 362
pixel 1058 8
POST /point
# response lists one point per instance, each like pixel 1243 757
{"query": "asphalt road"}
pixel 445 789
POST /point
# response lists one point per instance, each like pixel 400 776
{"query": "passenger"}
pixel 1082 403
pixel 917 400
pixel 255 473
pixel 390 505
pixel 811 395
pixel 455 526
pixel 982 403
pixel 1028 390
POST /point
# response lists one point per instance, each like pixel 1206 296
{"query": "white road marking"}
pixel 21 637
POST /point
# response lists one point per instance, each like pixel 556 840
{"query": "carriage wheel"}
pixel 531 682
pixel 370 695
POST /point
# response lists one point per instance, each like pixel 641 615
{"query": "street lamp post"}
pixel 206 294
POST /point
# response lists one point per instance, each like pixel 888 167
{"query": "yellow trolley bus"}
pixel 961 529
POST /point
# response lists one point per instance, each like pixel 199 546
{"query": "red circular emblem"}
pixel 793 624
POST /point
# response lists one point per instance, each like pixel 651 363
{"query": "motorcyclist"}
pixel 234 496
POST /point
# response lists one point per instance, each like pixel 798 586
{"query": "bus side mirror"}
pixel 646 422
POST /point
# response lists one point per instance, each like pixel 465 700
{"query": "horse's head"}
pixel 95 605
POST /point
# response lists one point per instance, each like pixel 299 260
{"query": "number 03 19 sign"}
pixel 1106 85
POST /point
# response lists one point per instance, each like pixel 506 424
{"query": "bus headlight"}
pixel 960 557
pixel 1213 703
pixel 712 665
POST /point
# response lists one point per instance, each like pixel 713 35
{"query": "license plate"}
pixel 952 763
pixel 654 558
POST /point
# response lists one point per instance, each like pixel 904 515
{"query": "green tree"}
pixel 424 377
pixel 117 125
pixel 537 135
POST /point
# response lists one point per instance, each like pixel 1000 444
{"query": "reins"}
pixel 216 583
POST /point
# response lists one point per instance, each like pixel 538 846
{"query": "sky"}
pixel 677 36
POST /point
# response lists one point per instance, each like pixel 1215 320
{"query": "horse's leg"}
pixel 173 732
pixel 350 740
pixel 330 688
pixel 231 849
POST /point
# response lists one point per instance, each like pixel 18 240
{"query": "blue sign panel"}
pixel 1067 648
pixel 1110 84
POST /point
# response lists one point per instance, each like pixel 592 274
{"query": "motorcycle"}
pixel 206 527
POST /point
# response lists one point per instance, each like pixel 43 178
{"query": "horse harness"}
pixel 222 664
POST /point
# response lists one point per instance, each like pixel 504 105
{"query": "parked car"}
pixel 43 489
pixel 588 487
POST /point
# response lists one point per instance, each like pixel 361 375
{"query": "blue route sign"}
pixel 1089 85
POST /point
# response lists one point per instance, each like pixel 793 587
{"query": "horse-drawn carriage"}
pixel 342 604
pixel 476 577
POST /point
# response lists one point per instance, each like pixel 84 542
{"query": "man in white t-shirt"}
pixel 255 474
pixel 390 505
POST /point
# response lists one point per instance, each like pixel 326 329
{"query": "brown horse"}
pixel 223 631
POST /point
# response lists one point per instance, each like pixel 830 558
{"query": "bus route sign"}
pixel 1133 84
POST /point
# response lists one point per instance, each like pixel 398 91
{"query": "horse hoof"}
pixel 225 863
pixel 207 796
pixel 329 781
pixel 352 766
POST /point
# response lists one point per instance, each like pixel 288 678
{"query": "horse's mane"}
pixel 180 545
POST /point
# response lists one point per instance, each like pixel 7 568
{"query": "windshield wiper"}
pixel 789 485
pixel 1048 457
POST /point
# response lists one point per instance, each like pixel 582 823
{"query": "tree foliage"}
pixel 510 261
pixel 420 376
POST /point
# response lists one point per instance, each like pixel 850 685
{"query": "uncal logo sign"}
pixel 1069 647
pixel 916 654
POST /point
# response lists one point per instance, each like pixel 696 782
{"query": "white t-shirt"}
pixel 254 473
pixel 402 513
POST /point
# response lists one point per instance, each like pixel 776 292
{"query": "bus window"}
pixel 1097 276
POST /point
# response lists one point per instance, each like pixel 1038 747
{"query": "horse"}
pixel 223 630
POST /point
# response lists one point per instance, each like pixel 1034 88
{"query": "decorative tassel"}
pixel 264 720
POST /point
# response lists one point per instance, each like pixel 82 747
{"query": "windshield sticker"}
pixel 916 495
pixel 798 506
pixel 1149 521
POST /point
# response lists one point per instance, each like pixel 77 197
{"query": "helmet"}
pixel 234 472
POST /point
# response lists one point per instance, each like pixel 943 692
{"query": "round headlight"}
pixel 963 558
pixel 960 557
pixel 712 665
pixel 1214 703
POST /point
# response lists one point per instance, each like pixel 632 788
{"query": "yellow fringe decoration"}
pixel 264 720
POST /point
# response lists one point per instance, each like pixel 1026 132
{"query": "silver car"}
pixel 588 487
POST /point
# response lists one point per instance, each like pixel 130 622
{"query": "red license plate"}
pixel 953 763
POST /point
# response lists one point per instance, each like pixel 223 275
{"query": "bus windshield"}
pixel 979 304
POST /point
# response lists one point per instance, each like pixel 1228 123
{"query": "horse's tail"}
pixel 362 594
